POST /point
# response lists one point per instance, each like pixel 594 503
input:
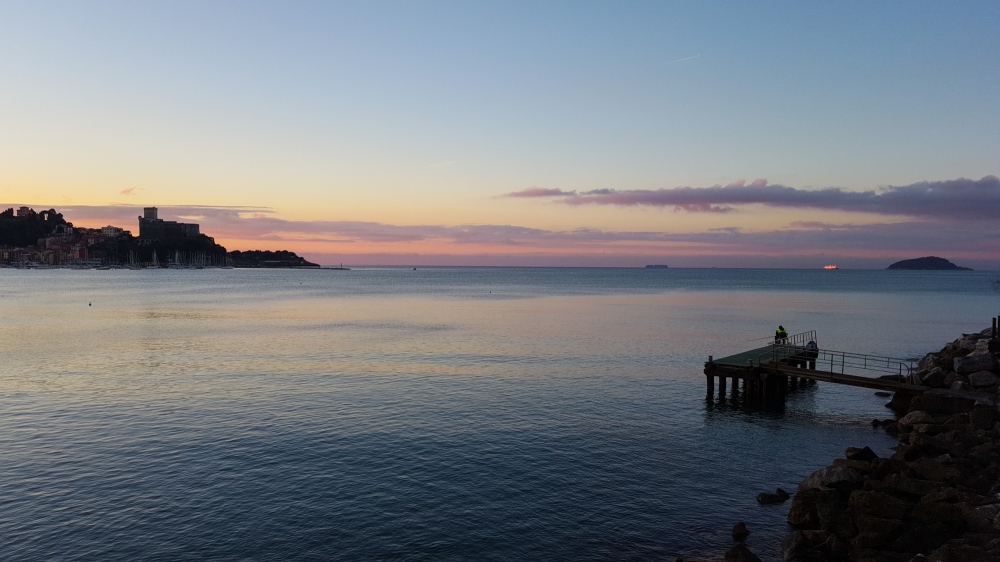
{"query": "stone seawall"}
pixel 937 498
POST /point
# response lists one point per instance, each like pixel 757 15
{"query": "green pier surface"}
pixel 758 355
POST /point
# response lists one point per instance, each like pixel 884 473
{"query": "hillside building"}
pixel 152 227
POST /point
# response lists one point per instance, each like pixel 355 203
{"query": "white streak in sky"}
pixel 679 60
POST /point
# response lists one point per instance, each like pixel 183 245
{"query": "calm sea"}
pixel 436 414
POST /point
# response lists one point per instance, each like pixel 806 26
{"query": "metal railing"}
pixel 797 339
pixel 832 361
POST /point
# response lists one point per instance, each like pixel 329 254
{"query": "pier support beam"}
pixel 711 385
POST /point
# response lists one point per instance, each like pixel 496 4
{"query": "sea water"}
pixel 429 414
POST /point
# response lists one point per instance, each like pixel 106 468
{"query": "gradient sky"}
pixel 396 132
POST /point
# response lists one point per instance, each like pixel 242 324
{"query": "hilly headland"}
pixel 30 238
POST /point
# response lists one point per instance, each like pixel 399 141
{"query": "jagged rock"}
pixel 888 530
pixel 803 510
pixel 952 378
pixel 834 476
pixel 864 454
pixel 961 386
pixel 740 553
pixel 937 512
pixel 740 532
pixel 835 518
pixel 779 496
pixel 924 538
pixel 983 418
pixel 862 467
pixel 950 495
pixel 884 467
pixel 982 379
pixel 797 544
pixel 928 362
pixel 975 363
pixel 900 402
pixel 912 486
pixel 927 446
pixel 935 378
pixel 816 507
pixel 915 417
pixel 883 394
pixel 876 504
pixel 930 428
pixel 948 401
pixel 932 470
pixel 961 553
pixel 979 519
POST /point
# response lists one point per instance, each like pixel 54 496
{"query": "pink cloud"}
pixel 759 183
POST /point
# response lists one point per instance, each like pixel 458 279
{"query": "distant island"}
pixel 929 263
pixel 267 258
pixel 656 267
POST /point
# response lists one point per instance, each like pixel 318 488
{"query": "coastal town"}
pixel 45 239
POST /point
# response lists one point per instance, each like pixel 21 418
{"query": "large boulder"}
pixel 928 362
pixel 740 532
pixel 862 454
pixel 937 512
pixel 912 486
pixel 900 402
pixel 935 378
pixel 876 504
pixel 835 518
pixel 915 417
pixel 974 363
pixel 832 477
pixel 931 469
pixel 983 418
pixel 924 538
pixel 813 545
pixel 803 510
pixel 952 378
pixel 779 496
pixel 942 401
pixel 982 379
pixel 740 553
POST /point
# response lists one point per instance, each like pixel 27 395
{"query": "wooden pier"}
pixel 767 374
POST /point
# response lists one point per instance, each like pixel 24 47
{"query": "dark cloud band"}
pixel 964 199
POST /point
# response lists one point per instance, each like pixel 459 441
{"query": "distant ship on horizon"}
pixel 658 266
pixel 831 266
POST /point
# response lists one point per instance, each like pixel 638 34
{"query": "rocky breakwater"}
pixel 937 498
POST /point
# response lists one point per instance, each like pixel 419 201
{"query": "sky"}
pixel 695 134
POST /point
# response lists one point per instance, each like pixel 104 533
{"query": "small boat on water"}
pixel 830 267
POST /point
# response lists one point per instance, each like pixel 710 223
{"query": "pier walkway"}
pixel 768 373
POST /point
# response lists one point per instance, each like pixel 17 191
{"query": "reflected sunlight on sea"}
pixel 439 414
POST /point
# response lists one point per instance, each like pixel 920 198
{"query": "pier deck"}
pixel 770 372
